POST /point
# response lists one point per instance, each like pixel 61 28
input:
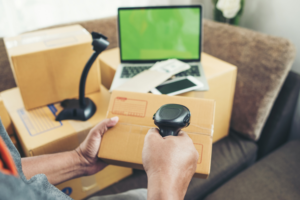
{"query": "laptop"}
pixel 151 34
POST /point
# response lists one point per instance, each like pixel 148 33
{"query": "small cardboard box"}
pixel 47 64
pixel 83 187
pixel 5 118
pixel 221 77
pixel 39 133
pixel 123 144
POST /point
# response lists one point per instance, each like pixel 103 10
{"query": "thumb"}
pixel 112 121
pixel 102 127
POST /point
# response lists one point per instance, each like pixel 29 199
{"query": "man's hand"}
pixel 88 149
pixel 64 166
pixel 170 163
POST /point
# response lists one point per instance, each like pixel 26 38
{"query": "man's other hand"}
pixel 170 163
pixel 88 149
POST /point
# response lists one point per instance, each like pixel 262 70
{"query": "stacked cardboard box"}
pixel 221 77
pixel 47 66
pixel 80 188
pixel 5 118
pixel 7 123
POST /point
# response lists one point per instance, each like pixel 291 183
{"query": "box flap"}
pixel 138 109
pixel 123 144
pixel 46 39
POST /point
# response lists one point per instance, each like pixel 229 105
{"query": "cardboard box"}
pixel 5 118
pixel 221 77
pixel 109 61
pixel 39 133
pixel 123 144
pixel 15 142
pixel 80 188
pixel 47 64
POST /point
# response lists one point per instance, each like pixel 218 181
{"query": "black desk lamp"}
pixel 84 108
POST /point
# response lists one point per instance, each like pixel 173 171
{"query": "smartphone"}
pixel 178 86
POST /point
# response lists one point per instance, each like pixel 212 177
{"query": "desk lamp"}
pixel 84 108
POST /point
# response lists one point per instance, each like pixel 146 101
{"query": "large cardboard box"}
pixel 39 133
pixel 83 187
pixel 221 77
pixel 5 118
pixel 123 144
pixel 47 64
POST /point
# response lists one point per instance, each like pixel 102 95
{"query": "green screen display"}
pixel 159 33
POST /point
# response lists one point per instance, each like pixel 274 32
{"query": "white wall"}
pixel 274 17
pixel 17 16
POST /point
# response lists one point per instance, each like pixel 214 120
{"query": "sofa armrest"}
pixel 277 127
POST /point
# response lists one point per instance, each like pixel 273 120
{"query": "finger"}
pixel 112 121
pixel 105 124
pixel 183 134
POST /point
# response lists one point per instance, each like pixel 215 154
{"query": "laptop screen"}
pixel 151 34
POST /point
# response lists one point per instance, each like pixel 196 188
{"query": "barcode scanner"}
pixel 171 118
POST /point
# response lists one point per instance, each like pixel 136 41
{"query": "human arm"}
pixel 170 163
pixel 82 161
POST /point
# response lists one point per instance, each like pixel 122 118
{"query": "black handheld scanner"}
pixel 171 118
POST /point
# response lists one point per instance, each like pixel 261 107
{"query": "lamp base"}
pixel 73 110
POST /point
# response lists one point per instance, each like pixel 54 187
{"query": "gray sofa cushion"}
pixel 262 61
pixel 230 155
pixel 277 176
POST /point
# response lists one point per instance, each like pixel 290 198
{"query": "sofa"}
pixel 256 160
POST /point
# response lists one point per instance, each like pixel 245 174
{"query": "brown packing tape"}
pixel 203 130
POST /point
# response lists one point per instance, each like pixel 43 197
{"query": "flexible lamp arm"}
pixel 83 108
pixel 99 44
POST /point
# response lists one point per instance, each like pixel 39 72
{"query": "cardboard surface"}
pixel 122 145
pixel 80 188
pixel 47 64
pixel 39 133
pixel 5 118
pixel 221 77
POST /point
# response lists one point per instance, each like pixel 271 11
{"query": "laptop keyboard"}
pixel 129 72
